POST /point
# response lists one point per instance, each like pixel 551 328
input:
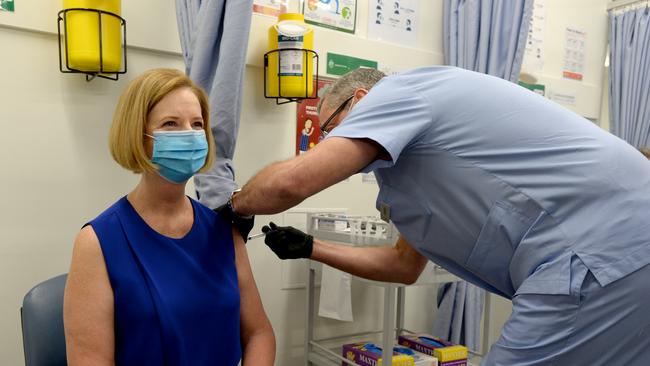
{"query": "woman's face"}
pixel 179 110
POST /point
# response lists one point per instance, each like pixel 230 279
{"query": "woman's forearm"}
pixel 259 348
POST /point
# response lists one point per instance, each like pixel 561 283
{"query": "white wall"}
pixel 604 119
pixel 57 172
pixel 589 16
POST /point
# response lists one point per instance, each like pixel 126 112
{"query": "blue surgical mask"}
pixel 179 154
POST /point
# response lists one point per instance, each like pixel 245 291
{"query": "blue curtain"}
pixel 214 39
pixel 487 36
pixel 629 76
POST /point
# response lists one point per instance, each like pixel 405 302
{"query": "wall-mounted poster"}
pixel 574 54
pixel 308 124
pixel 534 52
pixel 270 7
pixel 340 15
pixel 394 21
pixel 7 5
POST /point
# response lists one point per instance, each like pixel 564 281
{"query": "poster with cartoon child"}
pixel 307 122
pixel 304 136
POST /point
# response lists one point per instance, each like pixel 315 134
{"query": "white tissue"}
pixel 335 295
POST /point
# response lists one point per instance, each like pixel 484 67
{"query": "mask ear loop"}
pixel 148 135
pixel 352 104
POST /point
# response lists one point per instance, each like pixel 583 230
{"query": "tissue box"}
pixel 419 359
pixel 453 363
pixel 447 353
pixel 369 354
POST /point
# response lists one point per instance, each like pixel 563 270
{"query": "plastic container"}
pixel 290 73
pixel 82 33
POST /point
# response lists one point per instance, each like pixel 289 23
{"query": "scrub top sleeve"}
pixel 392 114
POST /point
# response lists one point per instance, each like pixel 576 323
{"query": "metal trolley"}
pixel 360 231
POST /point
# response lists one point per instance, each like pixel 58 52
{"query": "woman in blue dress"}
pixel 158 278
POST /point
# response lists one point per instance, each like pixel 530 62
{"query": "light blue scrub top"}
pixel 500 185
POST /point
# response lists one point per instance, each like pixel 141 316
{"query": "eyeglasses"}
pixel 336 112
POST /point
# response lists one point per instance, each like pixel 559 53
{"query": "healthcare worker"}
pixel 501 187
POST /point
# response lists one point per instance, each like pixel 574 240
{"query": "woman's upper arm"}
pixel 253 316
pixel 88 308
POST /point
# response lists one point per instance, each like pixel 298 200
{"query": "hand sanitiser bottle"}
pixel 291 72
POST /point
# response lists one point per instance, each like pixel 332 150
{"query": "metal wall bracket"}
pixel 90 75
pixel 283 99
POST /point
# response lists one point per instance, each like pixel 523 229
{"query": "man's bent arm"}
pixel 283 185
pixel 400 263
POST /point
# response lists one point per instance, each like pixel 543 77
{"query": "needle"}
pixel 256 236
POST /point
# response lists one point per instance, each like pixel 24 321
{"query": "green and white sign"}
pixel 340 15
pixel 342 64
pixel 7 5
pixel 535 88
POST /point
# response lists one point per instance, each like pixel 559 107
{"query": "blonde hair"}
pixel 126 139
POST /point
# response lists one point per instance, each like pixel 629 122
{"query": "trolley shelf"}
pixel 360 231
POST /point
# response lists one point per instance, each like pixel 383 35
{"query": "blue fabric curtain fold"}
pixel 214 38
pixel 629 76
pixel 487 36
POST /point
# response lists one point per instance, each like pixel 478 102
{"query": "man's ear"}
pixel 360 93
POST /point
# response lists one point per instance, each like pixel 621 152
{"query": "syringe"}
pixel 256 236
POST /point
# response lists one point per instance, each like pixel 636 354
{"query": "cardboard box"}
pixel 446 352
pixel 419 359
pixel 453 363
pixel 369 354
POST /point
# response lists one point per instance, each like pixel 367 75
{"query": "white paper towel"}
pixel 335 294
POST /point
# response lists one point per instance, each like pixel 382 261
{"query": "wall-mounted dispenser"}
pixel 289 71
pixel 94 38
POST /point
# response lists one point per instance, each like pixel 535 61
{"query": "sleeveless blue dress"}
pixel 176 300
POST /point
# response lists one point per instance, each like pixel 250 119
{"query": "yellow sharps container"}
pixel 290 73
pixel 82 33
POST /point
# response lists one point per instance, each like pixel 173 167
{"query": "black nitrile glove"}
pixel 288 242
pixel 243 224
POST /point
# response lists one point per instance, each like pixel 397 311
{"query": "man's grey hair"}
pixel 645 151
pixel 344 87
